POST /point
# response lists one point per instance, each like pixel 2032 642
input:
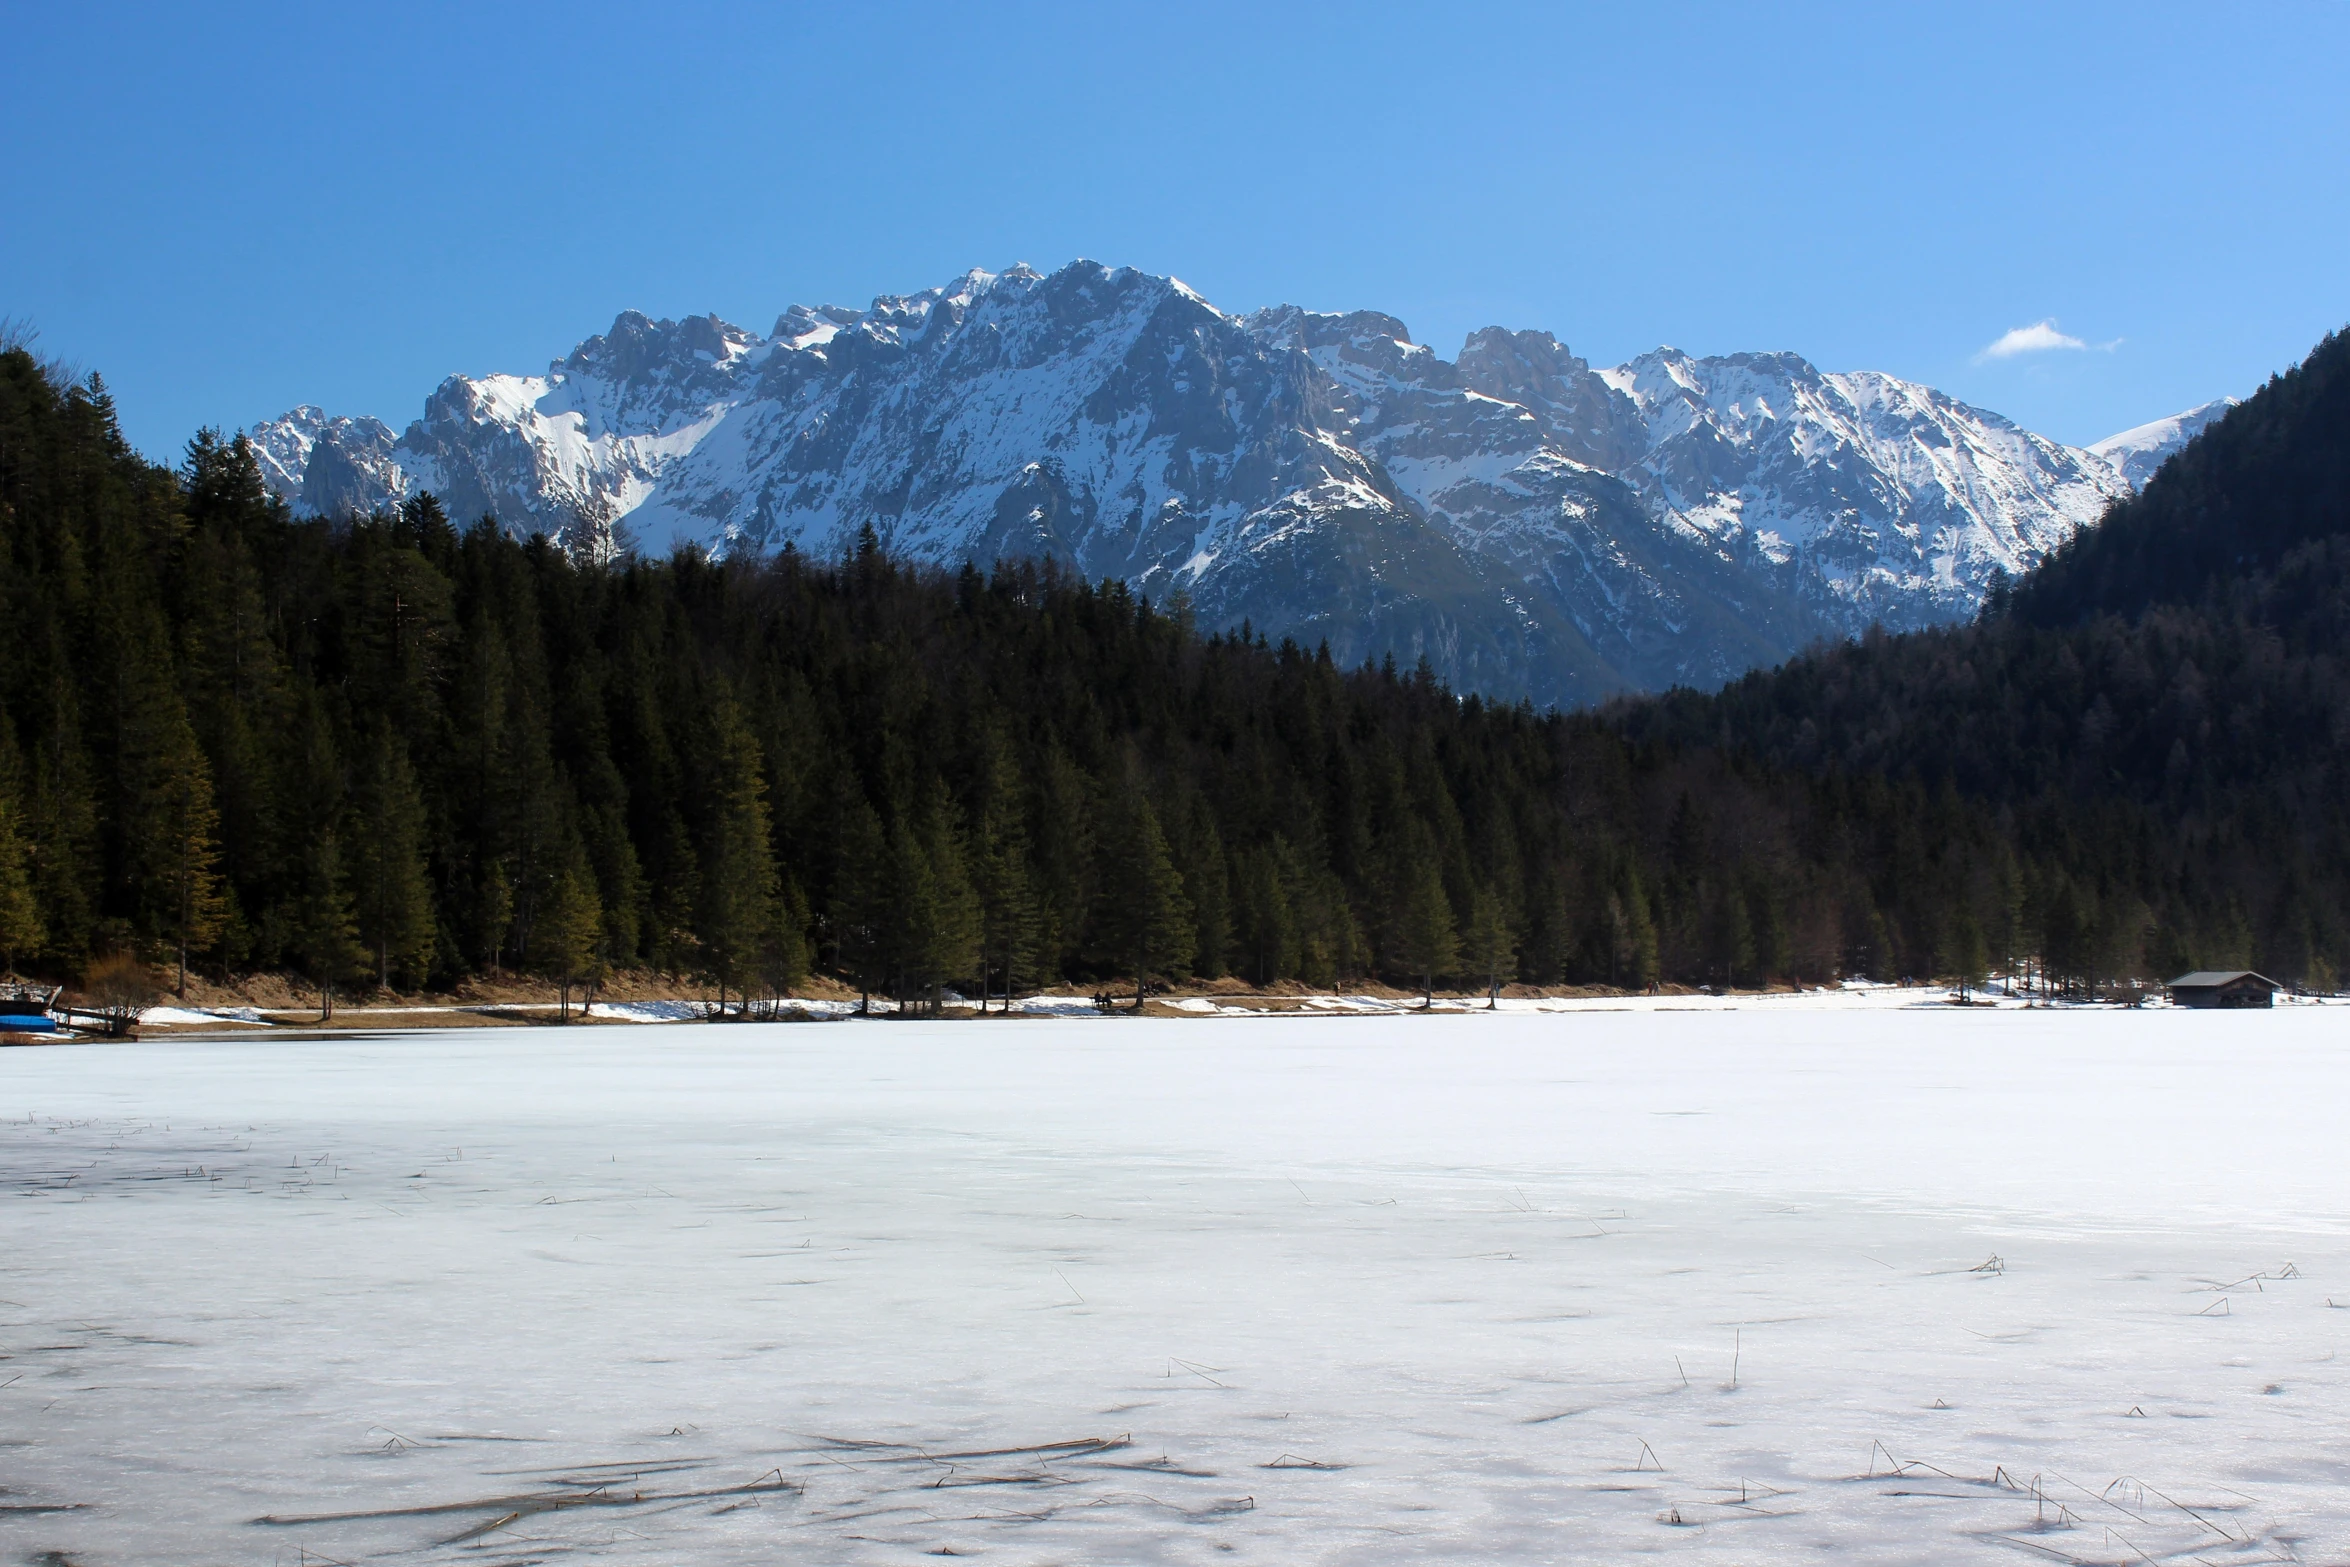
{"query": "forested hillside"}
pixel 390 750
pixel 2159 716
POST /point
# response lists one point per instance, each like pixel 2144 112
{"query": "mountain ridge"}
pixel 1532 526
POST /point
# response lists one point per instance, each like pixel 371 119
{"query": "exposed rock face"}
pixel 1532 526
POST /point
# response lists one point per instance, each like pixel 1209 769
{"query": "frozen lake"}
pixel 1742 1286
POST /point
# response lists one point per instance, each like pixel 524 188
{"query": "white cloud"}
pixel 2038 338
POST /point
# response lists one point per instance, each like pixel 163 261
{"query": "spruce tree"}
pixel 783 955
pixel 951 943
pixel 166 851
pixel 392 889
pixel 860 896
pixel 737 917
pixel 1145 921
pixel 325 931
pixel 1207 882
pixel 1266 922
pixel 1965 954
pixel 567 938
pixel 61 834
pixel 1064 852
pixel 904 916
pixel 934 920
pixel 1000 876
pixel 189 874
pixel 1427 942
pixel 237 694
pixel 1488 948
pixel 1642 958
pixel 1007 918
pixel 21 931
pixel 676 893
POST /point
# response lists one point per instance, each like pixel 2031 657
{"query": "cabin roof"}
pixel 2212 979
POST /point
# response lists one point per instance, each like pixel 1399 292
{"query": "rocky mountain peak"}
pixel 1532 525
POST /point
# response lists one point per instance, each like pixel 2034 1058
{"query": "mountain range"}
pixel 1532 526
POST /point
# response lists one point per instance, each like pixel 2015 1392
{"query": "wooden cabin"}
pixel 2223 988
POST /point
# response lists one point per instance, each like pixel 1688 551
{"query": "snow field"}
pixel 1711 1286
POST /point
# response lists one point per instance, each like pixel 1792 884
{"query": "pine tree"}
pixel 1965 954
pixel 1426 942
pixel 21 932
pixel 188 875
pixel 1551 939
pixel 619 875
pixel 492 903
pixel 1145 921
pixel 1487 946
pixel 567 938
pixel 860 897
pixel 1007 917
pixel 935 917
pixel 783 955
pixel 391 886
pixel 737 917
pixel 1008 921
pixel 1267 922
pixel 325 933
pixel 61 835
pixel 676 893
pixel 1207 882
pixel 1064 851
pixel 237 694
pixel 1641 954
pixel 904 914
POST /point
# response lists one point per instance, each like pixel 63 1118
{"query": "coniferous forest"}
pixel 407 750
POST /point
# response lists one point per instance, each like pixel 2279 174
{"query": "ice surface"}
pixel 1512 1287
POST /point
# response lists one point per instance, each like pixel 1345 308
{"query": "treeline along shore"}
pixel 393 750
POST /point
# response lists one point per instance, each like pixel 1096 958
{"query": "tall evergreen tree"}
pixel 325 932
pixel 1145 921
pixel 62 838
pixel 21 931
pixel 936 916
pixel 1966 958
pixel 1267 922
pixel 738 916
pixel 860 898
pixel 168 823
pixel 568 936
pixel 189 874
pixel 1427 941
pixel 1207 882
pixel 1488 948
pixel 1007 917
pixel 391 885
pixel 783 955
pixel 1000 877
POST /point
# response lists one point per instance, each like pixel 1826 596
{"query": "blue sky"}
pixel 231 213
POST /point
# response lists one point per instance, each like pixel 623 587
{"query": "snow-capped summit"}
pixel 2137 452
pixel 1531 525
pixel 1891 497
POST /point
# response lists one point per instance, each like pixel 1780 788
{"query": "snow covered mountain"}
pixel 1531 525
pixel 2136 453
